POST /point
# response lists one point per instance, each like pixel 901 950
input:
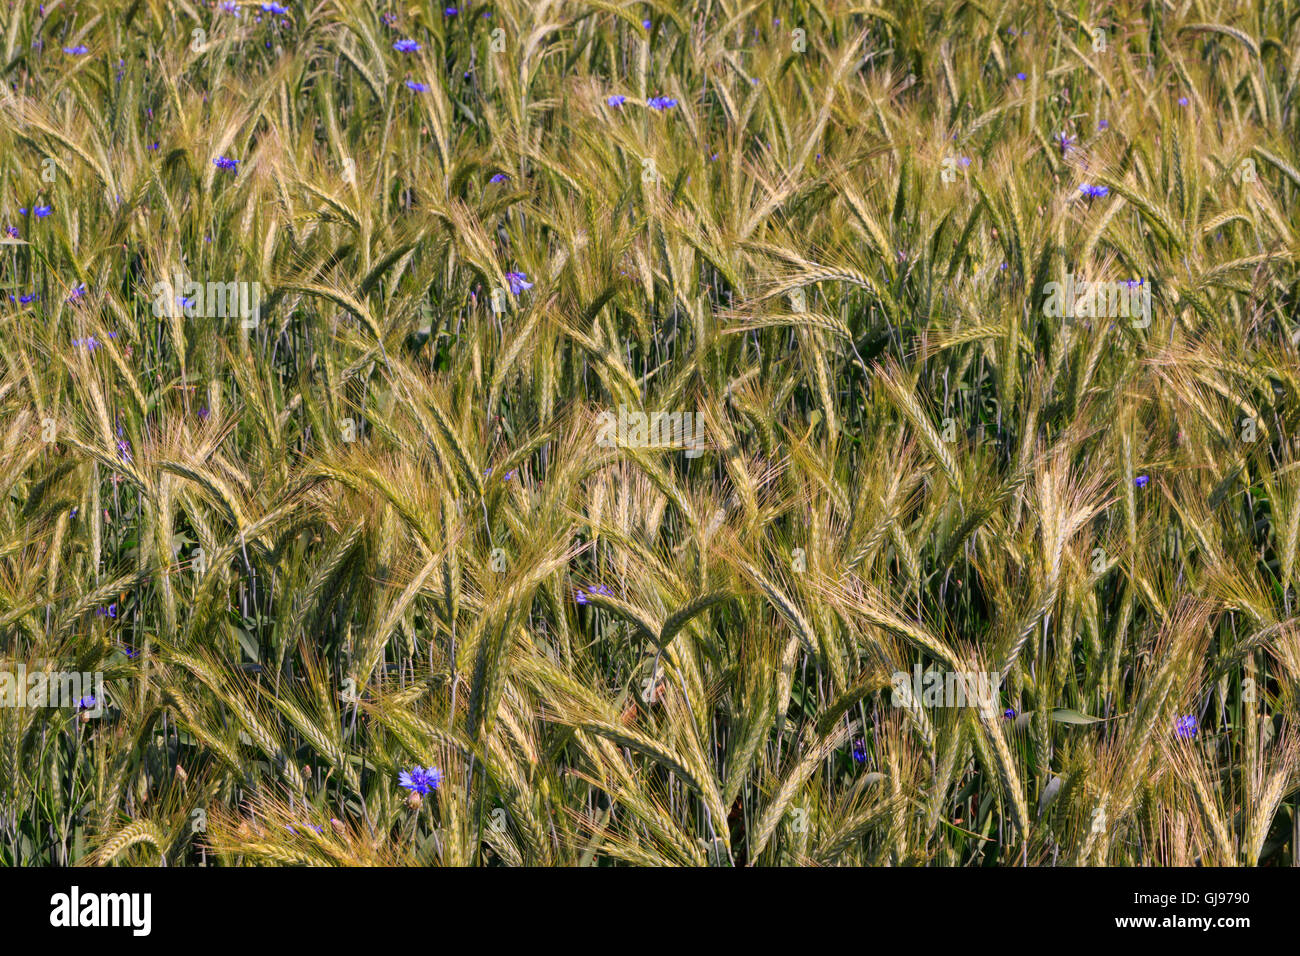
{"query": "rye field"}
pixel 715 433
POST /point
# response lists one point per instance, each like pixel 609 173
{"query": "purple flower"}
pixel 419 780
pixel 1182 101
pixel 203 413
pixel 518 282
pixel 1065 141
pixel 860 750
pixel 1009 714
pixel 499 178
pixel 225 162
pixel 124 450
pixel 418 87
pixel 963 161
pixel 1142 480
pixel 618 99
pixel 11 231
pixel 1094 192
pixel 274 8
pixel 78 292
pixel 1021 76
pixel 1186 726
pixel 26 299
pixel 450 11
pixel 1103 124
pixel 40 212
pixel 661 103
pixel 580 597
pixel 646 24
pixel 86 703
pixel 230 7
pixel 79 50
pixel 406 46
pixel 153 146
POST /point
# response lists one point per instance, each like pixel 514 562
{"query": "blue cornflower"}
pixel 153 146
pixel 662 103
pixel 860 751
pixel 230 7
pixel 274 8
pixel 450 11
pixel 419 780
pixel 26 299
pixel 511 473
pixel 86 703
pixel 499 178
pixel 11 231
pixel 1142 480
pixel 646 24
pixel 1103 124
pixel 1021 76
pixel 618 99
pixel 1094 192
pixel 406 46
pixel 418 87
pixel 79 50
pixel 1065 141
pixel 580 597
pixel 1182 101
pixel 78 292
pixel 1009 713
pixel 518 282
pixel 1186 726
pixel 225 162
pixel 40 212
pixel 963 161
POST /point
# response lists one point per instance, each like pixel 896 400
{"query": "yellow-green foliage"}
pixel 393 518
